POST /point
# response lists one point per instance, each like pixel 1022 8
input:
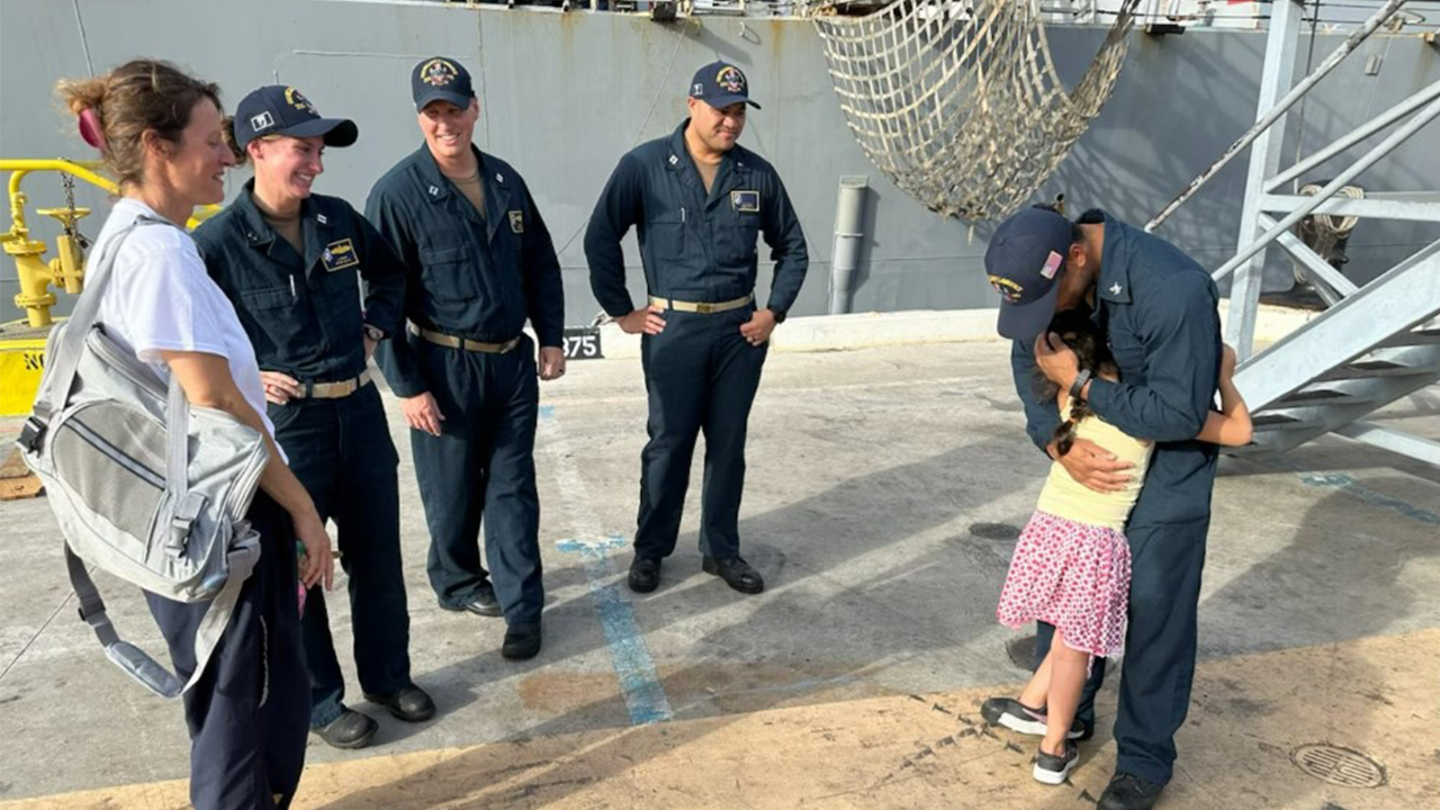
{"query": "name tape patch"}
pixel 339 255
pixel 745 201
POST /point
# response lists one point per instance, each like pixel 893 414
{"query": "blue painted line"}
pixel 547 412
pixel 645 697
pixel 601 546
pixel 1350 486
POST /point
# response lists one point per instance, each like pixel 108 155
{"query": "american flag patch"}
pixel 1052 265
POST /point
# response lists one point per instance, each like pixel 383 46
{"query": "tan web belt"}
pixel 456 342
pixel 335 390
pixel 700 307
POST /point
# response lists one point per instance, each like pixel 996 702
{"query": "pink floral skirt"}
pixel 1074 576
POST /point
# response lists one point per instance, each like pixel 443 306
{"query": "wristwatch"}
pixel 779 315
pixel 1079 384
pixel 375 333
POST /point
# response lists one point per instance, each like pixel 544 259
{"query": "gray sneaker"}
pixel 1016 716
pixel 1054 770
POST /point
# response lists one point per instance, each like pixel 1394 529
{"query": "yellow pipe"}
pixel 83 169
pixel 35 275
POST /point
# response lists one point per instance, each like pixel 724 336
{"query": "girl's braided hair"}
pixel 1083 337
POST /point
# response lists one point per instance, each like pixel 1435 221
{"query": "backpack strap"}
pixel 65 356
pixel 137 663
pixel 184 506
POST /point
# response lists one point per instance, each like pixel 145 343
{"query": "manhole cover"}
pixel 1338 766
pixel 994 531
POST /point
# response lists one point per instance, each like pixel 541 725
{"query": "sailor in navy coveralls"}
pixel 480 263
pixel 1157 307
pixel 699 202
pixel 294 264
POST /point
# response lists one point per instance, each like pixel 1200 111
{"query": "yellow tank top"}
pixel 1065 497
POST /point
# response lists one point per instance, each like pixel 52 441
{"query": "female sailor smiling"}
pixel 293 263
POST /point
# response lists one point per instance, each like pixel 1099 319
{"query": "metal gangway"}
pixel 1375 343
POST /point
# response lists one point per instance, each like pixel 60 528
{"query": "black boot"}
pixel 736 572
pixel 348 731
pixel 522 640
pixel 644 574
pixel 1129 792
pixel 410 704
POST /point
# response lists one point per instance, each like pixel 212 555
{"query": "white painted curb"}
pixel 823 333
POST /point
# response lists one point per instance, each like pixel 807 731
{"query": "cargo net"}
pixel 959 103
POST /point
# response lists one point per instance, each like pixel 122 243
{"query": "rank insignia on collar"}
pixel 517 221
pixel 339 255
pixel 745 201
pixel 1115 289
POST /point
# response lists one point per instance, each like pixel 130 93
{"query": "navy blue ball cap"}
pixel 721 84
pixel 440 78
pixel 280 110
pixel 1025 261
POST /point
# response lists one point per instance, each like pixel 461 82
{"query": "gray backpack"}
pixel 144 485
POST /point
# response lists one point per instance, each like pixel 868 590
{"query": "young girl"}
pixel 1071 566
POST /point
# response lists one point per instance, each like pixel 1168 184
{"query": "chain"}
pixel 71 229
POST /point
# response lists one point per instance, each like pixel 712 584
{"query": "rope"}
pixel 1326 233
pixel 959 103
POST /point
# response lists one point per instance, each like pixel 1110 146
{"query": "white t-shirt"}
pixel 161 299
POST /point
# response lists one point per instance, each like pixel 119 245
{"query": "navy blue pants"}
pixel 1159 664
pixel 482 466
pixel 341 451
pixel 247 713
pixel 701 376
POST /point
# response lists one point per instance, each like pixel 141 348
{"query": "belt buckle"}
pixel 705 308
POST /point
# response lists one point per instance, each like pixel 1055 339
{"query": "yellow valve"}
pixel 64 215
pixel 68 266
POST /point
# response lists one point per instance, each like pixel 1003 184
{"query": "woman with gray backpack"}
pixel 155 319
